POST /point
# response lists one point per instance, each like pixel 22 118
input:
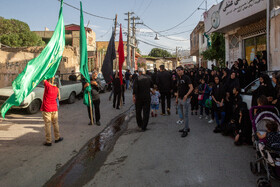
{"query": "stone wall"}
pixel 14 60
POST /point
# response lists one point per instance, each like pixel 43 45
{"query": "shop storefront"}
pixel 243 23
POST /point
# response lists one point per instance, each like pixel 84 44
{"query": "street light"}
pixel 156 38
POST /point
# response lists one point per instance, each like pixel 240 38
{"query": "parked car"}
pixel 32 103
pixel 247 92
pixel 103 85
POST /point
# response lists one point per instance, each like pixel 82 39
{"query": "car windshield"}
pixel 253 86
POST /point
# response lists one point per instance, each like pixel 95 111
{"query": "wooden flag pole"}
pixel 90 108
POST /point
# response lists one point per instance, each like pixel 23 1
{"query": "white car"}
pixel 32 103
pixel 247 92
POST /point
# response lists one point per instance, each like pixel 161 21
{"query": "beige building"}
pixel 72 38
pixel 154 62
pixel 14 60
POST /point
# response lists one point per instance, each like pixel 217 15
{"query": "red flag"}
pixel 121 55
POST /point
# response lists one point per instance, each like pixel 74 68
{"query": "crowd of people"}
pixel 214 95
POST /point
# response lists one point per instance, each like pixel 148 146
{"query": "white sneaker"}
pixel 180 122
pixel 206 117
pixel 211 121
pixel 200 116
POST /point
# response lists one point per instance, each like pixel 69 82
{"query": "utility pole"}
pixel 115 30
pixel 176 58
pixel 128 61
pixel 134 45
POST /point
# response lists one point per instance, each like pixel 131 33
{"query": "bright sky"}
pixel 158 15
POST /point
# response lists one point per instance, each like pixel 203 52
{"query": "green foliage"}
pixel 156 52
pixel 138 50
pixel 217 49
pixel 16 33
pixel 142 65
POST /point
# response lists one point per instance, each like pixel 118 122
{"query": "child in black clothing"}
pixel 194 102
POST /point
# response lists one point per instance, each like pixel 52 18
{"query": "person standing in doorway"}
pixel 185 89
pixel 142 99
pixel 164 83
pixel 50 112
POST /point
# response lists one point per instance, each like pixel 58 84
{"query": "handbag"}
pixel 200 96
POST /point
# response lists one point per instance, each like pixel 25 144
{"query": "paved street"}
pixel 24 159
pixel 157 157
pixel 160 157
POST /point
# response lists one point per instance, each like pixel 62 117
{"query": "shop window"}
pixel 255 46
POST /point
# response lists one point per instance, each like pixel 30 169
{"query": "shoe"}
pixel 155 115
pixel 163 114
pixel 123 103
pixel 185 133
pixel 196 113
pixel 59 140
pixel 168 111
pixel 211 121
pixel 118 108
pixel 200 116
pixel 98 123
pixel 180 122
pixel 47 144
pixel 152 114
pixel 206 117
pixel 182 130
pixel 217 130
pixel 191 113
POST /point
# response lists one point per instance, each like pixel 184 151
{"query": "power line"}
pixel 154 45
pixel 180 22
pixel 86 12
pixel 163 35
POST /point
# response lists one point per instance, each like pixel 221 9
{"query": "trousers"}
pixel 51 118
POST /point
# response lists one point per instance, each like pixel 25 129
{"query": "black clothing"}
pixel 141 87
pixel 141 90
pixel 96 105
pixel 142 122
pixel 194 101
pixel 72 77
pixel 230 84
pixel 154 78
pixel 218 92
pixel 164 81
pixel 164 95
pixel 117 92
pixel 127 75
pixel 183 86
pixel 117 95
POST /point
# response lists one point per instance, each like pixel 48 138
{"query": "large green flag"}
pixel 84 57
pixel 40 68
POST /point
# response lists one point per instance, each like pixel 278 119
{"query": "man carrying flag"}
pixel 84 66
pixel 38 69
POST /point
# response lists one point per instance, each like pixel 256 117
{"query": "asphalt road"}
pixel 160 157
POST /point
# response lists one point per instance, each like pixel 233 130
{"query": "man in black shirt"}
pixel 164 84
pixel 142 98
pixel 185 89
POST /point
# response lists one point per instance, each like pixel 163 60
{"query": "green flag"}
pixel 40 68
pixel 84 57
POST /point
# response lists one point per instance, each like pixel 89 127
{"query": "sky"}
pixel 158 15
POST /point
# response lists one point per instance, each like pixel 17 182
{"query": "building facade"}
pixel 243 24
pixel 198 45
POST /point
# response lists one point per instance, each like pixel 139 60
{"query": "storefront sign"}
pixel 231 11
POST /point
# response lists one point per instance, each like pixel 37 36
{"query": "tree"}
pixel 16 33
pixel 217 49
pixel 156 52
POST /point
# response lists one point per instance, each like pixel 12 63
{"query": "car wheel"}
pixel 34 106
pixel 72 98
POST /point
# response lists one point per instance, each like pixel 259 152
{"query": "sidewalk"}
pixel 24 159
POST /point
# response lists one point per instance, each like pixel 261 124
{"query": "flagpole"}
pixel 90 107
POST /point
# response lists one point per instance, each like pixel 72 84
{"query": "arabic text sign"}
pixel 231 11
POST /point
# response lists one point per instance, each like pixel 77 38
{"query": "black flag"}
pixel 107 67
